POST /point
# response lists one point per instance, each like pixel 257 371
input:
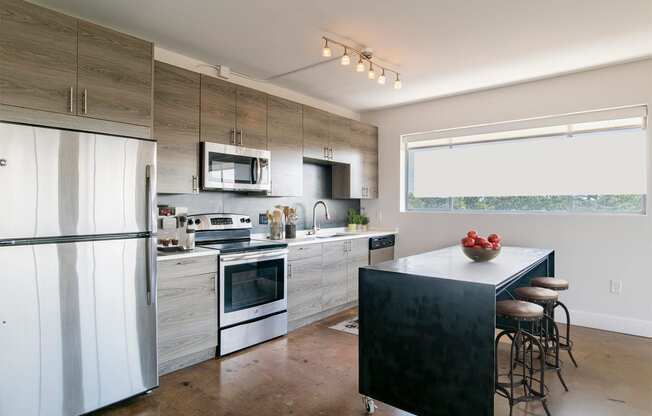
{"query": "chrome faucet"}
pixel 315 225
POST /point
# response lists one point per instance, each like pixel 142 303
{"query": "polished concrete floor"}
pixel 313 371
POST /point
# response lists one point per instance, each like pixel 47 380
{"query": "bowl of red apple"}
pixel 479 248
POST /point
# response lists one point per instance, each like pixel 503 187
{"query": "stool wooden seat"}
pixel 536 294
pixel 551 283
pixel 519 310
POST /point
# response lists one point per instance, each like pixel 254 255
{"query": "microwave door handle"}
pixel 254 170
pixel 259 174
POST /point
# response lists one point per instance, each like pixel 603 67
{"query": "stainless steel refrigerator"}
pixel 77 270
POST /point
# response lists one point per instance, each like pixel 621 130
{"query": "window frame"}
pixel 450 205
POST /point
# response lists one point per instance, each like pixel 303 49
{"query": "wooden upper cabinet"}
pixel 218 111
pixel 176 128
pixel 358 177
pixel 340 139
pixel 38 57
pixel 286 145
pixel 114 75
pixel 251 119
pixel 315 133
pixel 370 163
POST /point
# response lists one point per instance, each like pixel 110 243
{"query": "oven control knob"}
pixel 242 220
pixel 248 220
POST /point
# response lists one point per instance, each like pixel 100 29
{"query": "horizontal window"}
pixel 585 166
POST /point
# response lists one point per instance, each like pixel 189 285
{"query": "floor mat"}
pixel 350 326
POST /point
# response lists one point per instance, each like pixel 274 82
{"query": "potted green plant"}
pixel 364 222
pixel 352 220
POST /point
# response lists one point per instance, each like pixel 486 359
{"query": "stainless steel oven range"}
pixel 252 284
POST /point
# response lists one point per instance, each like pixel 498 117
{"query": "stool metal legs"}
pixel 522 357
pixel 566 344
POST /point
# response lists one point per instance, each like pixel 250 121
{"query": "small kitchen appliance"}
pixel 252 283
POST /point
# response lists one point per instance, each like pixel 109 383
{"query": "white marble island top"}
pixel 451 263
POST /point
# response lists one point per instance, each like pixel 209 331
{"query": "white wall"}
pixel 590 249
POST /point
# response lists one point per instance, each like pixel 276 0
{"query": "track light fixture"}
pixel 363 57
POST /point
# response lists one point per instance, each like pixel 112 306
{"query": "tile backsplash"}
pixel 316 186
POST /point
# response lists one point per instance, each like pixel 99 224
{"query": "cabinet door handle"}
pixel 331 153
pixel 242 133
pixel 71 102
pixel 233 137
pixel 214 284
pixel 325 153
pixel 289 270
pixel 85 101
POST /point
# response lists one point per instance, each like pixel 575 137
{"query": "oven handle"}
pixel 227 258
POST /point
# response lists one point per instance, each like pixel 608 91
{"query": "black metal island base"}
pixel 427 327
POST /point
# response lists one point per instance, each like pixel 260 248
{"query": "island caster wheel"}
pixel 369 405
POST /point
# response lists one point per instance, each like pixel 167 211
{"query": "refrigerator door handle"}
pixel 151 268
pixel 151 251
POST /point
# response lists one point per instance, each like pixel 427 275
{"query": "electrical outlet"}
pixel 616 286
pixel 262 218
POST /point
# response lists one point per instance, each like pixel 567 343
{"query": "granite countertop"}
pixel 175 255
pixel 451 263
pixel 326 235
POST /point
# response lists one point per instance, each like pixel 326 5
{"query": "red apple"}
pixel 487 244
pixel 472 234
pixel 496 246
pixel 494 238
pixel 468 242
pixel 479 241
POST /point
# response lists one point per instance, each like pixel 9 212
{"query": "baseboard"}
pixel 301 322
pixel 629 326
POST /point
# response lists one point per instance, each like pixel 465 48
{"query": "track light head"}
pixel 360 66
pixel 346 59
pixel 326 51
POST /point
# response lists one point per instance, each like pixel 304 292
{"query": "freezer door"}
pixel 76 330
pixel 66 183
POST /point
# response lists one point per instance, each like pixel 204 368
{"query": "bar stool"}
pixel 554 283
pixel 547 329
pixel 523 344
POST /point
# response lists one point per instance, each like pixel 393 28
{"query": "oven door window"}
pixel 252 284
pixel 230 168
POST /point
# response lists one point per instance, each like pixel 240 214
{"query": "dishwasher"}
pixel 381 248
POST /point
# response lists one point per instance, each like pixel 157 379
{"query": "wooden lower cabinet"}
pixel 358 256
pixel 334 277
pixel 323 277
pixel 304 281
pixel 187 312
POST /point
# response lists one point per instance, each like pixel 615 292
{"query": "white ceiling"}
pixel 441 47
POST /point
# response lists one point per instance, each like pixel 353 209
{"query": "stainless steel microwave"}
pixel 234 168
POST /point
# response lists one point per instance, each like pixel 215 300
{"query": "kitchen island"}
pixel 427 325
